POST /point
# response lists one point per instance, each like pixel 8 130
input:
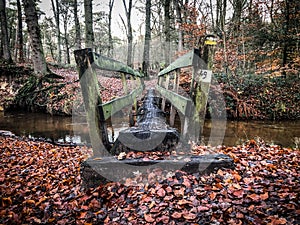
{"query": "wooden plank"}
pixel 113 106
pixel 105 63
pixel 100 171
pixel 189 59
pixel 181 103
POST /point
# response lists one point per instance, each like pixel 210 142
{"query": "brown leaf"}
pixel 254 197
pixel 212 195
pixel 238 193
pixel 264 196
pixel 164 219
pixel 176 215
pixel 161 192
pixel 149 218
pixel 183 202
pixel 189 216
pixel 202 208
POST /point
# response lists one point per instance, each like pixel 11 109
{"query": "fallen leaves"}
pixel 40 184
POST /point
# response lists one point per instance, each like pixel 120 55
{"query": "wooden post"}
pixel 202 70
pixel 124 82
pixel 163 104
pixel 92 102
pixel 175 89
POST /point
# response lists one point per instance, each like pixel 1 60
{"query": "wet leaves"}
pixel 40 184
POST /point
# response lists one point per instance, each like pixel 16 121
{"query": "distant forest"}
pixel 254 36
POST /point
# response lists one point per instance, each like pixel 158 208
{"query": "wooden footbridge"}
pixel 152 131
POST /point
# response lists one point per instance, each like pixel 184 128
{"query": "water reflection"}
pixel 63 129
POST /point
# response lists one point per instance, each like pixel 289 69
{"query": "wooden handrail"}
pixel 97 111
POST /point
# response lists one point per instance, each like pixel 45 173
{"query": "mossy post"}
pixel 175 89
pixel 92 102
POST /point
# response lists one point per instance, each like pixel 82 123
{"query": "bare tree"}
pixel 88 15
pixel 65 9
pixel 77 25
pixel 56 12
pixel 146 55
pixel 4 33
pixel 167 31
pixel 39 62
pixel 110 41
pixel 19 54
pixel 238 6
pixel 128 31
pixel 178 7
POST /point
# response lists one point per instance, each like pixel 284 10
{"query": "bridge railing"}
pixel 98 111
pixel 192 106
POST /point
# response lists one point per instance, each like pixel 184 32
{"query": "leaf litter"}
pixel 40 184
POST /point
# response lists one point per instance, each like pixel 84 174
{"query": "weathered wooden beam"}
pixel 163 104
pixel 105 63
pixel 95 171
pixel 124 83
pixel 92 100
pixel 175 90
pixel 181 103
pixel 115 105
pixel 186 60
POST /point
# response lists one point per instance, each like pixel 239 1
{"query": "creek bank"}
pixel 246 97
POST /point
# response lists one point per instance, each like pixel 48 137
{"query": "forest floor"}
pixel 40 183
pixel 246 97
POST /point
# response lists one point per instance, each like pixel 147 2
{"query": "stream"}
pixel 67 130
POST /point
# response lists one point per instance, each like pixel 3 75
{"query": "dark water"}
pixel 70 130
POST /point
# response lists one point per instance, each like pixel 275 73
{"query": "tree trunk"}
pixel 146 55
pixel 39 62
pixel 66 39
pixel 179 21
pixel 19 43
pixel 4 33
pixel 238 6
pixel 56 12
pixel 129 31
pixel 167 32
pixel 65 7
pixel 77 26
pixel 286 26
pixel 110 41
pixel 88 15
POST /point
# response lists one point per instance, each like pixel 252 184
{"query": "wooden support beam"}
pixel 95 172
pixel 124 82
pixel 163 104
pixel 175 90
pixel 92 100
pixel 115 105
pixel 181 103
pixel 105 63
pixel 189 59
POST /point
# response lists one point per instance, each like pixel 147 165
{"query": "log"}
pixel 96 171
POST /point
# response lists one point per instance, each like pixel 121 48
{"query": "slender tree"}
pixel 77 25
pixel 39 62
pixel 178 7
pixel 4 33
pixel 146 55
pixel 65 7
pixel 238 6
pixel 19 54
pixel 167 31
pixel 110 40
pixel 129 31
pixel 88 15
pixel 56 12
